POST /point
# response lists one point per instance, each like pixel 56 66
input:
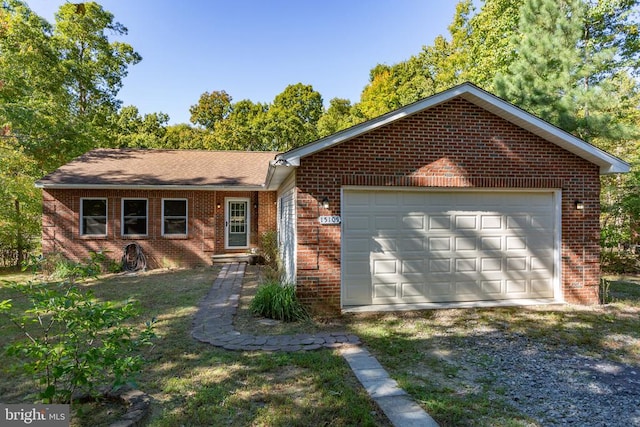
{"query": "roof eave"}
pixel 180 187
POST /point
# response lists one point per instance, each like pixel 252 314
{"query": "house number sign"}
pixel 329 220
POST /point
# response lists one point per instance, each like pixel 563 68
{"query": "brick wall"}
pixel 454 145
pixel 206 225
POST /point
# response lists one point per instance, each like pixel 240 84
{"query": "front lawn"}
pixel 431 354
pixel 194 384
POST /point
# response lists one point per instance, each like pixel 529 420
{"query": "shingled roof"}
pixel 130 168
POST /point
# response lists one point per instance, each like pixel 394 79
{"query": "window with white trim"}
pixel 134 217
pixel 174 217
pixel 93 217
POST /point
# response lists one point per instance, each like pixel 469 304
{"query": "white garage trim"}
pixel 287 228
pixel 410 247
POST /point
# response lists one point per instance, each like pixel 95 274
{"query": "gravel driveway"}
pixel 556 387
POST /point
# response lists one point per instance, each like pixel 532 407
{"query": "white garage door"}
pixel 417 246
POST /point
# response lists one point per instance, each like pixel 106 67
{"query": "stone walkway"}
pixel 213 324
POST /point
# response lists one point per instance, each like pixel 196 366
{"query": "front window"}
pixel 93 217
pixel 174 216
pixel 134 217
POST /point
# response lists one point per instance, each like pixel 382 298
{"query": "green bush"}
pixel 270 249
pixel 278 301
pixel 57 267
pixel 73 342
pixel 619 262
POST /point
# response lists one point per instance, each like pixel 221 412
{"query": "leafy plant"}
pixel 278 301
pixel 56 266
pixel 73 342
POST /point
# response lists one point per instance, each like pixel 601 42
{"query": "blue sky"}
pixel 255 49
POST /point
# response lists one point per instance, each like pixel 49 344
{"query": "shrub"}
pixel 57 267
pixel 74 343
pixel 270 249
pixel 278 301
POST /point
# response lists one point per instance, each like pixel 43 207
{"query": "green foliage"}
pixel 278 301
pixel 135 131
pixel 211 108
pixel 55 266
pixel 73 342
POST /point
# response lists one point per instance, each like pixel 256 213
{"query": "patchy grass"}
pixel 194 384
pixel 428 352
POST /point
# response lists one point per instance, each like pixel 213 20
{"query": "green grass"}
pixel 424 350
pixel 194 384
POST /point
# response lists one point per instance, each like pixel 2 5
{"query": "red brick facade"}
pixel 206 225
pixel 453 145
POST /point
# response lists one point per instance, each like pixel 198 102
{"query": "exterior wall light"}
pixel 325 202
pixel 579 205
pixel 218 206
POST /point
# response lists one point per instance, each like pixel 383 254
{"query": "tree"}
pixel 94 66
pixel 559 75
pixel 292 118
pixel 135 131
pixel 58 87
pixel 338 116
pixel 244 127
pixel 20 206
pixel 211 108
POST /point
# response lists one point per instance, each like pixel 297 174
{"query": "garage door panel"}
pixel 412 266
pixel 442 265
pixel 407 245
pixel 384 267
pixel 439 244
pixel 358 268
pixel 386 223
pixel 456 246
pixel 466 287
pixel 518 287
pixel 439 222
pixel 491 222
pixel 466 222
pixel 384 245
pixel 358 223
pixel 466 265
pixel 491 287
pixel 385 291
pixel 491 243
pixel 542 288
pixel 412 289
pixel 413 222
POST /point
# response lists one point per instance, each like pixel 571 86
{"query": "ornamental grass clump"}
pixel 278 301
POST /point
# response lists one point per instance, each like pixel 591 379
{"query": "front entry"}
pixel 237 223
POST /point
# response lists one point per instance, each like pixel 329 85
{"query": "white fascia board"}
pixel 151 187
pixel 278 172
pixel 608 163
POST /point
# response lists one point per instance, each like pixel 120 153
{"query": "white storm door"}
pixel 237 224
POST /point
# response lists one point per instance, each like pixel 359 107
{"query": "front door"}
pixel 237 224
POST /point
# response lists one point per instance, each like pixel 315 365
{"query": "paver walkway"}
pixel 213 324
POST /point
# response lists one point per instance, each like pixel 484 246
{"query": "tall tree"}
pixel 94 66
pixel 136 131
pixel 293 117
pixel 555 67
pixel 338 116
pixel 211 108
